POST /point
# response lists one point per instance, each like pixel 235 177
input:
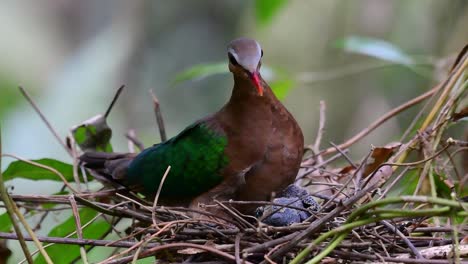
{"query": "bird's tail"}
pixel 113 166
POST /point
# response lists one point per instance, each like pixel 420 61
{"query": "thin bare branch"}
pixel 156 198
pixel 395 111
pixel 159 117
pixel 404 238
pixel 79 230
pixel 116 96
pixel 44 119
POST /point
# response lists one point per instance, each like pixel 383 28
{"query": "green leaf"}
pixel 21 169
pixel 265 10
pixel 9 94
pixel 406 185
pixel 148 260
pixel 442 189
pixel 201 71
pixel 282 87
pixel 93 135
pixel 5 222
pixel 375 48
pixel 62 253
pixel 280 81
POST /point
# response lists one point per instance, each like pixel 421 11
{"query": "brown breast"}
pixel 281 159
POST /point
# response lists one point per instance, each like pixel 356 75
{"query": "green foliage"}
pixel 407 184
pixel 5 223
pixel 443 190
pixel 201 71
pixel 282 87
pixel 148 260
pixel 8 96
pixel 21 169
pixel 376 48
pixel 63 253
pixel 265 10
pixel 281 82
pixel 93 135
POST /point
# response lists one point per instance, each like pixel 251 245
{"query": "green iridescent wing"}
pixel 196 157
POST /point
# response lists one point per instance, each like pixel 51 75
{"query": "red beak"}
pixel 256 81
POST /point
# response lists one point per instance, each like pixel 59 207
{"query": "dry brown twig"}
pixel 156 197
pixel 159 117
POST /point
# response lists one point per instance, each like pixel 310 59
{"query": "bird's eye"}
pixel 261 55
pixel 232 60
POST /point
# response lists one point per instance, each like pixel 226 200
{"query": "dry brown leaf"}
pixel 347 169
pixel 459 115
pixel 379 155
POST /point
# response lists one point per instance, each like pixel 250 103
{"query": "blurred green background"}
pixel 73 55
pixel 361 57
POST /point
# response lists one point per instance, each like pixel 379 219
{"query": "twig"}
pixel 348 70
pixel 354 255
pixel 11 213
pixel 294 238
pixel 44 119
pixel 74 232
pixel 130 135
pixel 140 248
pixel 390 186
pixel 317 166
pixel 32 234
pixel 128 250
pixel 345 185
pixel 355 220
pixel 267 255
pixel 79 231
pixel 404 238
pixel 74 155
pixel 266 203
pixel 235 215
pixel 452 79
pixel 75 241
pixel 159 117
pixel 382 120
pixel 155 249
pixel 116 96
pixel 342 152
pixel 318 139
pixel 407 163
pixel 147 208
pixel 113 210
pixel 155 203
pixel 454 75
pixel 415 120
pixel 237 248
pixel 441 252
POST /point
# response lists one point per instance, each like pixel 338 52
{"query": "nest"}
pixel 361 217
